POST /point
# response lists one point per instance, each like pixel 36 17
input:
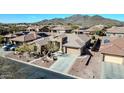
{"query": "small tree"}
pixel 100 33
pixel 69 24
pixel 93 40
pixel 35 48
pixel 25 48
pixel 53 46
pixel 75 27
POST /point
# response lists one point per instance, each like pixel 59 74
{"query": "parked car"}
pixel 13 47
pixel 5 45
pixel 8 47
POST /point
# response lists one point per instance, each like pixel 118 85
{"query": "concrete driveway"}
pixel 63 64
pixel 3 53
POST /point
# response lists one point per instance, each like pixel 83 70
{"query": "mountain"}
pixel 83 20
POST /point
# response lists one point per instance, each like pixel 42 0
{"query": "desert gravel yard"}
pixel 41 63
pixel 92 70
pixel 25 57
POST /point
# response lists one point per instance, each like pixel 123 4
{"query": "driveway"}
pixel 3 53
pixel 112 71
pixel 63 64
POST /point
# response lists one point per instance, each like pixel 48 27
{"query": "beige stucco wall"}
pixel 73 51
pixel 113 59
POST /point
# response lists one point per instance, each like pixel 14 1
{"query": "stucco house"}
pixel 34 28
pixel 112 50
pixel 68 43
pixel 39 43
pixel 95 28
pixel 75 44
pixel 26 38
pixel 78 31
pixel 8 37
pixel 60 39
pixel 115 32
pixel 61 29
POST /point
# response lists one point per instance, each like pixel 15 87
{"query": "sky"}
pixel 30 18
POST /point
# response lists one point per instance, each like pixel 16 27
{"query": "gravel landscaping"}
pixel 92 70
pixel 42 63
pixel 23 57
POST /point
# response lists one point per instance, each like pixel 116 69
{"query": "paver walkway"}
pixel 63 64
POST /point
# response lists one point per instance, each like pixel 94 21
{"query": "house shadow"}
pixel 96 46
pixel 85 51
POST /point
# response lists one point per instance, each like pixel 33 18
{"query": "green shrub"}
pixel 100 33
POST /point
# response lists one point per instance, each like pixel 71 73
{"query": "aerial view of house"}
pixel 72 47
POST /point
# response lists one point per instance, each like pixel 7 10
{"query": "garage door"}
pixel 113 59
pixel 73 51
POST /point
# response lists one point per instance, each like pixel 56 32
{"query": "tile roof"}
pixel 115 47
pixel 115 30
pixel 96 28
pixel 42 41
pixel 9 36
pixel 76 41
pixel 25 38
pixel 61 28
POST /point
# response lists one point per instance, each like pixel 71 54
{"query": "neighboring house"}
pixel 78 31
pixel 61 29
pixel 112 50
pixel 45 29
pixel 93 29
pixel 26 38
pixel 34 28
pixel 59 38
pixel 8 37
pixel 75 44
pixel 115 32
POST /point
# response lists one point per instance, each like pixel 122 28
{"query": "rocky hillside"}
pixel 83 20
